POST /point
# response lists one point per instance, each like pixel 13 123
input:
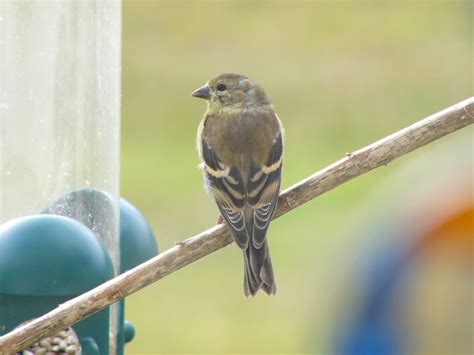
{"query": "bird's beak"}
pixel 202 92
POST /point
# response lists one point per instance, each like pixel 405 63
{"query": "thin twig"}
pixel 352 165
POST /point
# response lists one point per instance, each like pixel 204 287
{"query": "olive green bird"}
pixel 240 143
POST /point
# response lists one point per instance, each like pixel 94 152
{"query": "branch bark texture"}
pixel 352 165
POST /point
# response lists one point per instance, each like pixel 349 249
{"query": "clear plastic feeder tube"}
pixel 60 112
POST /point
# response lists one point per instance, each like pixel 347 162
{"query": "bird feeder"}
pixel 60 115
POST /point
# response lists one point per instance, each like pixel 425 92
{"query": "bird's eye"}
pixel 221 87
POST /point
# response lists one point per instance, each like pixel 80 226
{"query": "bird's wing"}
pixel 227 187
pixel 263 189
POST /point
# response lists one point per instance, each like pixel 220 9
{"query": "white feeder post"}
pixel 60 108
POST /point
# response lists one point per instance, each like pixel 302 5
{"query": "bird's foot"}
pixel 220 220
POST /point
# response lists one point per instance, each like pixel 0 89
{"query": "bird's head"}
pixel 234 91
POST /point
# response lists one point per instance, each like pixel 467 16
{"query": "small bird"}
pixel 240 143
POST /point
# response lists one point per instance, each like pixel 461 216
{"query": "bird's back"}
pixel 236 141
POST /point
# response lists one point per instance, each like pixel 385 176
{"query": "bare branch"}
pixel 352 165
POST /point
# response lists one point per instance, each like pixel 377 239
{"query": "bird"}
pixel 240 145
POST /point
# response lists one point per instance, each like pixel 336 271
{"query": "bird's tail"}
pixel 258 270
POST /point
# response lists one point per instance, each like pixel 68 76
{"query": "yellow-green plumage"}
pixel 240 141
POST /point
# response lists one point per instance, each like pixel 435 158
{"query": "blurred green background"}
pixel 341 75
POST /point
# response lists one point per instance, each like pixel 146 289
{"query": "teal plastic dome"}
pixel 137 241
pixel 50 255
pixel 94 207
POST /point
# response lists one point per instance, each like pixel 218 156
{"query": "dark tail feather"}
pixel 258 270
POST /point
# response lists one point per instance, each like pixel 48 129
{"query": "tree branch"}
pixel 352 165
